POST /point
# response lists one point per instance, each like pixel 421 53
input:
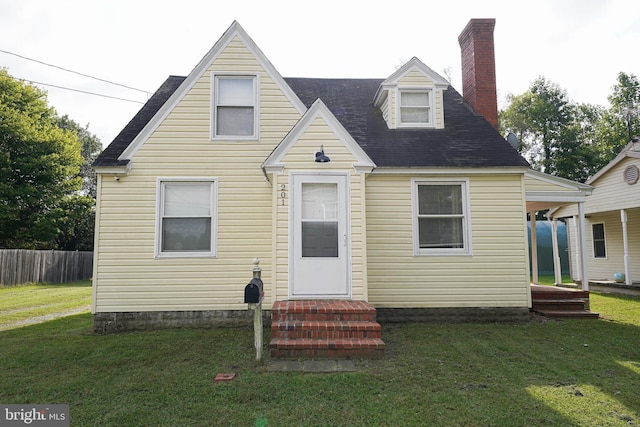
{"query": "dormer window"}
pixel 415 107
pixel 412 97
pixel 235 101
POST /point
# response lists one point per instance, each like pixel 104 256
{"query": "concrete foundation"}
pixel 104 323
pixel 149 320
pixel 453 315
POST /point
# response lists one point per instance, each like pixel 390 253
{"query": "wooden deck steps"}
pixel 561 303
pixel 325 329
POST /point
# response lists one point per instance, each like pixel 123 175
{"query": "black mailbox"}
pixel 253 292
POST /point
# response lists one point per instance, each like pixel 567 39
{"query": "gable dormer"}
pixel 411 98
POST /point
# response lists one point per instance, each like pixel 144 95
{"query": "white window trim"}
pixel 256 107
pixel 432 107
pixel 466 250
pixel 214 218
pixel 593 241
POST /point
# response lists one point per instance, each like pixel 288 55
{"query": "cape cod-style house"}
pixel 397 192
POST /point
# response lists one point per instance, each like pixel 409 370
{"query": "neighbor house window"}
pixel 186 223
pixel 599 247
pixel 234 107
pixel 441 218
pixel 415 108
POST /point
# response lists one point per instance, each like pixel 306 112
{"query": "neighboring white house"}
pixel 612 221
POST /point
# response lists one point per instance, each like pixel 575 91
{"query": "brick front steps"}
pixel 558 302
pixel 325 328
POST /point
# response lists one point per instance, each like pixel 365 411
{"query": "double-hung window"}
pixel 415 108
pixel 441 218
pixel 235 107
pixel 186 219
pixel 599 243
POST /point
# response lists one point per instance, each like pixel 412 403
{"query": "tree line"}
pixel 568 139
pixel 47 185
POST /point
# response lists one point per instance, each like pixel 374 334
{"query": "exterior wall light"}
pixel 321 157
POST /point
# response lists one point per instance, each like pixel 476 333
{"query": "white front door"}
pixel 319 236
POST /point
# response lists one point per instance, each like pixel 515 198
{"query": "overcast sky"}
pixel 579 44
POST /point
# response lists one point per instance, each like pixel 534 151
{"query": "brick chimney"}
pixel 479 68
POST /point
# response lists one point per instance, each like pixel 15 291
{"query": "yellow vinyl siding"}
pixel 439 109
pixel 386 110
pixel 539 185
pixel 494 276
pixel 415 78
pixel 128 277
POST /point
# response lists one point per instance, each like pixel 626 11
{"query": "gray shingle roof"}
pixel 467 139
pixel 109 157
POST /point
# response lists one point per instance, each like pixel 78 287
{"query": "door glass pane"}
pixel 320 239
pixel 319 201
pixel 319 220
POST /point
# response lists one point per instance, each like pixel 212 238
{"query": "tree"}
pixel 571 140
pixel 39 166
pixel 625 100
pixel 91 148
pixel 538 118
pixel 76 224
pixel 577 155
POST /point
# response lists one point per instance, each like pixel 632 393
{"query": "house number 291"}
pixel 283 192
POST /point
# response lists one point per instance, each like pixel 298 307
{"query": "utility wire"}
pixel 75 72
pixel 81 91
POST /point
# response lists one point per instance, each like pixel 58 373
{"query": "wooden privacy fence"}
pixel 21 266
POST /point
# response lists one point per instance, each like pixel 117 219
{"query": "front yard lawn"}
pixel 32 303
pixel 569 373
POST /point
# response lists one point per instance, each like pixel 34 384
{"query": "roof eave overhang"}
pixel 113 170
pixel 274 162
pixel 442 170
pixel 612 163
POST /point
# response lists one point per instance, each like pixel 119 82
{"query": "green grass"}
pixel 551 280
pixel 18 304
pixel 541 373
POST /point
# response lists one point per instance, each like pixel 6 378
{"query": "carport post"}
pixel 534 247
pixel 557 267
pixel 584 275
pixel 625 243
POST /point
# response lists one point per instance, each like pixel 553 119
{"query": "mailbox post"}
pixel 253 295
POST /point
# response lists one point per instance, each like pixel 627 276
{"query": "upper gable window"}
pixel 415 108
pixel 235 105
